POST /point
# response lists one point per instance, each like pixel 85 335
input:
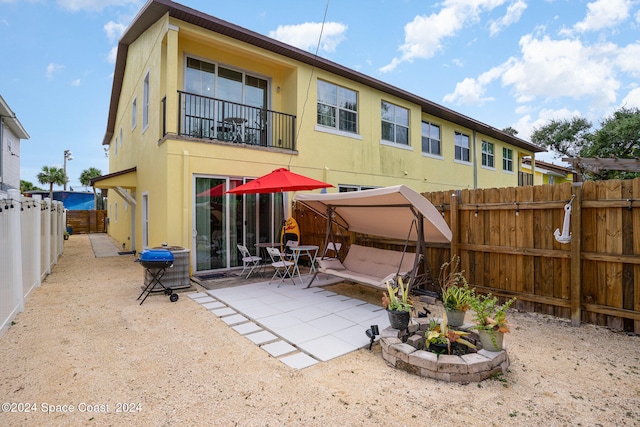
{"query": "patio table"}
pixel 308 250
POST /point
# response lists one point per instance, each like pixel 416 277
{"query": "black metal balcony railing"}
pixel 215 119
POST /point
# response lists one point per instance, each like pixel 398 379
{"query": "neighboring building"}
pixel 11 132
pixel 200 106
pixel 547 173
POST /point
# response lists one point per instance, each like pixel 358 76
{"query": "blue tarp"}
pixel 72 200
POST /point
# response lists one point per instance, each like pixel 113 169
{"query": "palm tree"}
pixel 87 175
pixel 52 175
pixel 85 179
pixel 26 186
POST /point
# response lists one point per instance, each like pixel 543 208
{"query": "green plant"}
pixel 456 293
pixel 397 298
pixel 489 315
pixel 439 333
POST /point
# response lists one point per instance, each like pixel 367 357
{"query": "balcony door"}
pixel 230 104
pixel 222 221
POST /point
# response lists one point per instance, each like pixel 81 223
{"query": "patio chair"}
pixel 332 247
pixel 248 260
pixel 281 265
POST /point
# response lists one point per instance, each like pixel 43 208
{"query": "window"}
pixel 431 138
pixel 207 117
pixel 337 107
pixel 507 159
pixel 120 137
pixel 134 113
pixel 346 188
pixel 487 154
pixel 395 123
pixel 145 102
pixel 462 147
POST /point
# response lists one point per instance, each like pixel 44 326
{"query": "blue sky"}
pixel 516 63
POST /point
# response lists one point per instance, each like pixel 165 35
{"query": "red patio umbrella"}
pixel 216 191
pixel 279 181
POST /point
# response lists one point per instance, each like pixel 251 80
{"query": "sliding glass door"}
pixel 222 221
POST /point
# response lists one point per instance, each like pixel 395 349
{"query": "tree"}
pixel 87 175
pixel 52 175
pixel 618 137
pixel 510 130
pixel 85 179
pixel 567 137
pixel 26 186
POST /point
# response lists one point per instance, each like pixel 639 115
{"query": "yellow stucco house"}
pixel 547 173
pixel 200 106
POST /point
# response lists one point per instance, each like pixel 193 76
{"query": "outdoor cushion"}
pixel 330 263
pixel 370 266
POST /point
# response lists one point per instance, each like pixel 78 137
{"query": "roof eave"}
pixel 155 9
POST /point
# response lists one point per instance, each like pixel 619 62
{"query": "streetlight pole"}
pixel 67 156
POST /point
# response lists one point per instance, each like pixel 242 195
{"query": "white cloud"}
pixel 552 69
pixel 52 68
pixel 423 37
pixel 114 30
pixel 95 5
pixel 75 82
pixel 514 12
pixel 628 59
pixel 305 36
pixel 604 14
pixel 526 124
pixel 471 91
pixel 111 57
pixel 632 100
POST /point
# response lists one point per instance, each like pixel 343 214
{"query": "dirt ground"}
pixel 85 353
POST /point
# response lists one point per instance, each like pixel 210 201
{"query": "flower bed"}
pixel 405 350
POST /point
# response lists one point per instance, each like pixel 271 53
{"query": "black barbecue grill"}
pixel 156 262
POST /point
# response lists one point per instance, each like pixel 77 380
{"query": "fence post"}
pixel 45 213
pixel 453 219
pixel 576 255
pixel 15 257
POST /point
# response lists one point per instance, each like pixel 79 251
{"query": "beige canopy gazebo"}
pixel 396 212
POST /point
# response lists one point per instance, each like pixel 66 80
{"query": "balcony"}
pixel 218 120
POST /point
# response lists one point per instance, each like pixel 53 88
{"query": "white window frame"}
pixel 134 113
pixel 395 124
pixel 337 106
pixel 488 155
pixel 507 160
pixel 457 136
pixel 145 102
pixel 430 138
pixel 343 188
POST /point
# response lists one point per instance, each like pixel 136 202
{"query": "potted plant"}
pixel 439 337
pixel 398 304
pixel 490 320
pixel 456 293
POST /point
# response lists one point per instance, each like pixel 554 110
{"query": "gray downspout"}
pixel 475 161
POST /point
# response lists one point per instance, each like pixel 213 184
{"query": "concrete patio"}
pixel 299 326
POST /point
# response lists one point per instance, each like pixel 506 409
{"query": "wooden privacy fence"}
pixel 505 239
pixel 89 221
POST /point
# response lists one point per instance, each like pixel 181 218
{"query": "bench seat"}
pixel 369 266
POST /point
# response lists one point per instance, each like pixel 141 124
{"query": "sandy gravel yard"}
pixel 84 352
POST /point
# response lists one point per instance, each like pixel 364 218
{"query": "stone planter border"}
pixel 473 367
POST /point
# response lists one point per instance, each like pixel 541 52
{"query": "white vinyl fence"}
pixel 31 241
